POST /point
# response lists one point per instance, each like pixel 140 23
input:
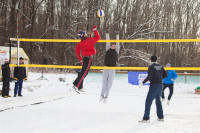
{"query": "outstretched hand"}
pixel 94 28
pixel 140 85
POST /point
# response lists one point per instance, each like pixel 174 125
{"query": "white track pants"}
pixel 108 77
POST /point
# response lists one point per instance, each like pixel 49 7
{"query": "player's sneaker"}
pixel 81 90
pixel 145 121
pixel 105 100
pixel 168 102
pixel 76 89
pixel 160 119
pixel 163 99
pixel 101 98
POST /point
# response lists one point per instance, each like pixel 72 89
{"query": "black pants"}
pixel 84 71
pixel 6 86
pixel 171 90
pixel 81 85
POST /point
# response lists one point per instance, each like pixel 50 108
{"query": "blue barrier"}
pixel 135 78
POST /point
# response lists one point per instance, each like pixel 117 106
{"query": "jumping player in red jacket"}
pixel 86 46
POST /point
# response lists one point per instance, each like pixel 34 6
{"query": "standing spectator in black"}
pixel 156 73
pixel 5 78
pixel 19 76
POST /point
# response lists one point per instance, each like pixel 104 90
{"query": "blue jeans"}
pixel 155 91
pixel 18 85
pixel 171 90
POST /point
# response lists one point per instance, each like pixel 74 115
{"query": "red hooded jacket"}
pixel 87 46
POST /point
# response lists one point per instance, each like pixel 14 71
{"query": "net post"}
pixel 18 44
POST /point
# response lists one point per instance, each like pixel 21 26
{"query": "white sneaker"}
pixel 105 100
pixel 168 102
pixel 75 89
pixel 144 121
pixel 81 90
pixel 101 98
pixel 163 99
pixel 160 119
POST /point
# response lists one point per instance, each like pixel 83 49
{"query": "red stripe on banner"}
pixel 85 73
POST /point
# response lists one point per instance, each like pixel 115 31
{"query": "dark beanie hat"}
pixel 21 58
pixel 153 58
pixel 81 34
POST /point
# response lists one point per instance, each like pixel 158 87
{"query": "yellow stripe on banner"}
pixel 126 41
pixel 102 67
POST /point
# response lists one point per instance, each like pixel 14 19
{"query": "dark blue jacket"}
pixel 156 73
pixel 20 72
pixel 171 75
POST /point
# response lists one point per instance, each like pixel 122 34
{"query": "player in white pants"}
pixel 111 58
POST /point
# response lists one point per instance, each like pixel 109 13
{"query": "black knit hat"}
pixel 81 34
pixel 21 58
pixel 112 44
pixel 153 58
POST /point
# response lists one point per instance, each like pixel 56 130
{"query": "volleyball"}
pixel 100 13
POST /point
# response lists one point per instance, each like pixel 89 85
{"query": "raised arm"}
pixel 117 43
pixel 97 36
pixel 107 43
pixel 96 33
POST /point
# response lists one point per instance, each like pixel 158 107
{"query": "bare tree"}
pixel 133 19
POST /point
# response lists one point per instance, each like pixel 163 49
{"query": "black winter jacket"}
pixel 5 70
pixel 111 57
pixel 156 73
pixel 20 72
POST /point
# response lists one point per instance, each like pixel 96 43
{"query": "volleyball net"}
pixel 103 41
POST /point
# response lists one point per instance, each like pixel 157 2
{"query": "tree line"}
pixel 131 19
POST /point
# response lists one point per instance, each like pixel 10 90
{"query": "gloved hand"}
pixel 140 85
pixel 81 62
pixel 15 79
pixel 25 78
pixel 94 28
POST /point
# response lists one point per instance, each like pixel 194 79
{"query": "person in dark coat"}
pixel 5 78
pixel 156 73
pixel 111 58
pixel 19 76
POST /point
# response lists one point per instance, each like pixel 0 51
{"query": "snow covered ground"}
pixel 50 107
